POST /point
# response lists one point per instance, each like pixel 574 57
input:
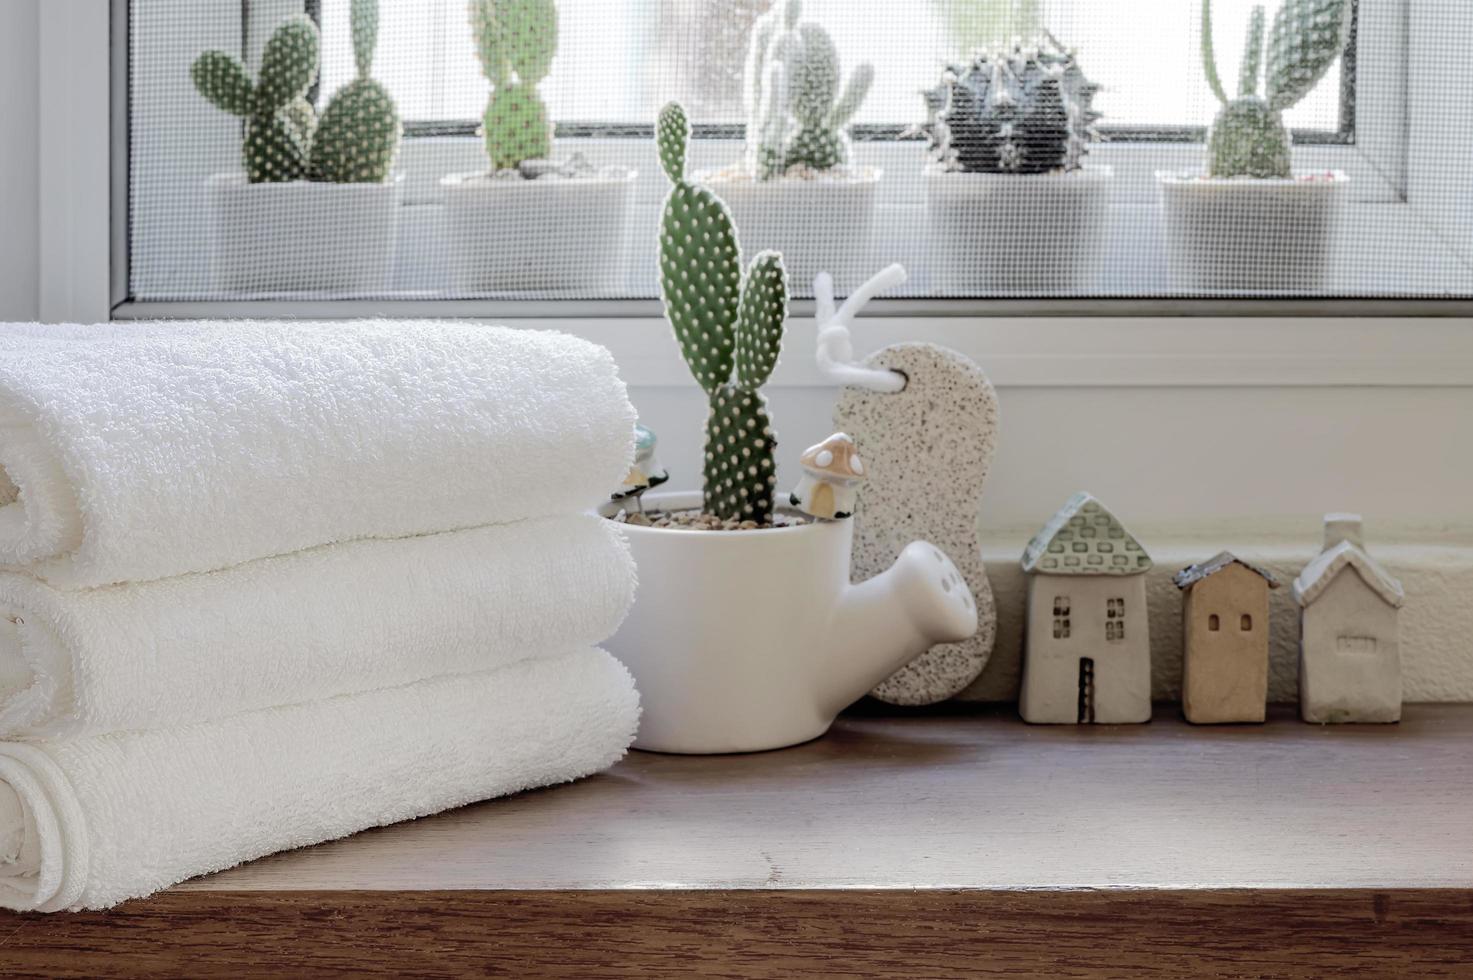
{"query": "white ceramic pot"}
pixel 747 640
pixel 302 236
pixel 1029 234
pixel 546 235
pixel 820 224
pixel 1250 235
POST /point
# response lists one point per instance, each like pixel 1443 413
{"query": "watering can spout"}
pixel 883 624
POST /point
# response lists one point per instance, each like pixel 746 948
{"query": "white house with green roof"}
pixel 1087 655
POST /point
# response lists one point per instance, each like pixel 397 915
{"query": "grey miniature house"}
pixel 1087 655
pixel 1349 639
pixel 1225 623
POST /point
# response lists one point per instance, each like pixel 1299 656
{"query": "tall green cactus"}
pixel 1249 138
pixel 358 135
pixel 279 120
pixel 795 110
pixel 729 326
pixel 516 41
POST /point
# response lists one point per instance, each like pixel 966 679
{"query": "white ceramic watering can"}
pixel 749 640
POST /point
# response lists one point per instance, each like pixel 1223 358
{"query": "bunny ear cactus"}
pixel 516 41
pixel 796 110
pixel 1026 109
pixel 358 136
pixel 729 326
pixel 279 121
pixel 1249 138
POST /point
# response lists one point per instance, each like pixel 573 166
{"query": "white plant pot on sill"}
pixel 741 641
pixel 1253 235
pixel 553 234
pixel 819 224
pixel 302 236
pixel 1028 234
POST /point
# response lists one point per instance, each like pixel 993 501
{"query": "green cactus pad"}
pixel 1307 37
pixel 288 65
pixel 1252 64
pixel 274 149
pixel 222 79
pixel 672 133
pixel 700 280
pixel 303 118
pixel 516 127
pixel 761 317
pixel 1249 139
pixel 814 81
pixel 740 474
pixel 364 25
pixel 357 136
pixel 819 148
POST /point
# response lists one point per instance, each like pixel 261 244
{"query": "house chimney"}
pixel 1343 527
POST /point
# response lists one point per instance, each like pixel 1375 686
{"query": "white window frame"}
pixel 1025 344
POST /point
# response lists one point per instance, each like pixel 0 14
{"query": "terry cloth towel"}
pixel 131 457
pixel 333 620
pixel 88 823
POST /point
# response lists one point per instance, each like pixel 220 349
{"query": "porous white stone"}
pixel 927 450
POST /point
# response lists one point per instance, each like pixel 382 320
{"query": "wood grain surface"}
pixel 770 933
pixel 960 842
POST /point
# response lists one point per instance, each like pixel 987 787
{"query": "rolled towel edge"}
pixel 50 870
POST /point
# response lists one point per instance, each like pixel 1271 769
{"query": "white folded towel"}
pixel 138 456
pixel 333 620
pixel 88 823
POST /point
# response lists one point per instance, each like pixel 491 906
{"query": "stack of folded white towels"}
pixel 263 585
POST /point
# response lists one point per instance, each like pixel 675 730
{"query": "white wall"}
pixel 19 172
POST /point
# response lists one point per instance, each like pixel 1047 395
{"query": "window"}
pixel 1128 226
pixel 1245 623
pixel 1115 620
pixel 1214 623
pixel 1061 617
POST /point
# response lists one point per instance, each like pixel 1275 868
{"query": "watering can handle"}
pixel 835 351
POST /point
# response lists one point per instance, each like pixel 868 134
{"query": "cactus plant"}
pixel 279 120
pixel 358 135
pixel 516 41
pixel 729 326
pixel 1025 109
pixel 355 140
pixel 795 109
pixel 1248 138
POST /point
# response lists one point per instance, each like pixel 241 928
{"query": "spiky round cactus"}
pixel 795 111
pixel 1248 137
pixel 1026 109
pixel 358 136
pixel 279 121
pixel 516 41
pixel 729 326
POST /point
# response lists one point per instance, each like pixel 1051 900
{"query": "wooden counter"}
pixel 961 842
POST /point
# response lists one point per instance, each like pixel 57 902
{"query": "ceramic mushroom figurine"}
pixel 832 472
pixel 646 471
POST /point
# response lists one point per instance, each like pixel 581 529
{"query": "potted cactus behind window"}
pixel 796 189
pixel 531 223
pixel 1012 206
pixel 1251 224
pixel 747 634
pixel 317 208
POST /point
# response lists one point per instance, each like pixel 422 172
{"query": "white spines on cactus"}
pixel 1025 109
pixel 796 111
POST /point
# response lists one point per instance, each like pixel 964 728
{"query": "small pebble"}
pixel 692 520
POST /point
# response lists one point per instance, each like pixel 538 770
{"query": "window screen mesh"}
pixel 1379 203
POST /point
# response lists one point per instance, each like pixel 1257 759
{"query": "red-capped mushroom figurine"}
pixel 832 473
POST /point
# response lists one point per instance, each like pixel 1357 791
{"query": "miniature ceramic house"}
pixel 1087 656
pixel 1349 652
pixel 832 472
pixel 1225 628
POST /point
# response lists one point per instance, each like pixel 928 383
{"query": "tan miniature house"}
pixel 1087 654
pixel 1349 640
pixel 1225 623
